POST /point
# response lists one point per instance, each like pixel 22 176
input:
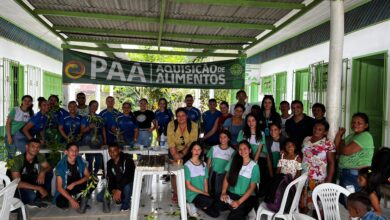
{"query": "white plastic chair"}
pixel 329 194
pixel 7 194
pixel 16 203
pixel 298 183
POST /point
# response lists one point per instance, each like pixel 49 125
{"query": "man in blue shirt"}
pixel 70 125
pixel 110 114
pixel 126 127
pixel 209 117
pixel 192 113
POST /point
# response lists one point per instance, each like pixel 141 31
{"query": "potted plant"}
pixel 98 122
pixel 91 185
pixel 106 199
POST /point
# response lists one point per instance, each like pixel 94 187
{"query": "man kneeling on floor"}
pixel 120 175
pixel 34 173
pixel 72 175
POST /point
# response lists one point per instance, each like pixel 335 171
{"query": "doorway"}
pixel 369 92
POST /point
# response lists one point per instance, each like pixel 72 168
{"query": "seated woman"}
pixel 238 191
pixel 35 127
pixel 196 175
pixel 72 175
pixel 181 133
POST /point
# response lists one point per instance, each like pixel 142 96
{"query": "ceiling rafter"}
pixel 180 53
pixel 247 3
pixel 190 46
pixel 161 28
pixel 109 32
pixel 143 19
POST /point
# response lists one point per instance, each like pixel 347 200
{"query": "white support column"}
pixel 112 91
pixel 97 97
pixel 66 91
pixel 211 96
pixel 333 104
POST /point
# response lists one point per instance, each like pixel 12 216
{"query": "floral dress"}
pixel 316 165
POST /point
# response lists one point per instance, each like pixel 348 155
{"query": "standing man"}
pixel 82 108
pixel 209 117
pixel 192 113
pixel 241 99
pixel 110 114
pixel 120 175
pixel 34 173
pixel 300 125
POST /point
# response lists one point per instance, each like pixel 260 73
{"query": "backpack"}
pixel 275 190
pixel 380 164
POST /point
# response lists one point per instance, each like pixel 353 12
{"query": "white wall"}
pixel 26 56
pixel 369 40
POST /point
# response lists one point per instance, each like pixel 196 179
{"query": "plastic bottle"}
pixel 162 141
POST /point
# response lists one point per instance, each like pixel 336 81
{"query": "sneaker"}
pixel 192 210
pixel 37 204
pixel 124 208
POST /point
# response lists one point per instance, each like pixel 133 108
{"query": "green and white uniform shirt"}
pixel 254 143
pixel 196 174
pixel 19 119
pixel 248 174
pixel 220 158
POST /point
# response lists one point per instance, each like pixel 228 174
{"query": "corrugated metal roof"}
pixel 151 9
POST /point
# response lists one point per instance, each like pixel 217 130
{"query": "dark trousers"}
pixel 28 195
pixel 264 177
pixel 203 202
pixel 95 165
pixel 215 184
pixel 242 211
pixel 62 202
pixel 126 195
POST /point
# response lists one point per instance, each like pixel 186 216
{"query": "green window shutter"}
pixel 267 85
pixel 21 83
pixel 302 88
pixel 281 88
pixel 254 96
pixel 52 85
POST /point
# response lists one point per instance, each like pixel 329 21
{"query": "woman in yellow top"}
pixel 181 133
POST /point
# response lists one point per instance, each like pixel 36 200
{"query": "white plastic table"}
pixel 140 172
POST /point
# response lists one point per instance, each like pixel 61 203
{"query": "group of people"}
pixel 242 148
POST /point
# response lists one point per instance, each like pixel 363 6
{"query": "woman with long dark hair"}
pixel 268 114
pixel 35 127
pixel 235 124
pixel 253 134
pixel 196 176
pixel 239 185
pixel 218 157
pixel 163 116
pixel 17 118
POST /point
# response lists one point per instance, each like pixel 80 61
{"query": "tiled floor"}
pixel 160 200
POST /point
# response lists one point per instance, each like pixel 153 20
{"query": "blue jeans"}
pixel 145 138
pixel 28 195
pixel 19 142
pixel 348 177
pixel 126 196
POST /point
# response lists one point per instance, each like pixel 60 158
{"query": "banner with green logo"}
pixel 86 68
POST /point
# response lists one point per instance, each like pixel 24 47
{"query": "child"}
pixel 273 144
pixel 369 183
pixel 290 162
pixel 196 175
pixel 359 206
pixel 218 157
pixel 318 162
